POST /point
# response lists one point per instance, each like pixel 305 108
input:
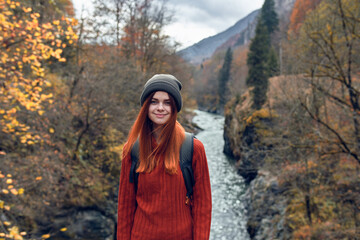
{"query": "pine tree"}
pixel 224 76
pixel 269 16
pixel 258 67
pixel 262 61
pixel 273 65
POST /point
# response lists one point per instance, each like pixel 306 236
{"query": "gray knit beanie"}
pixel 163 82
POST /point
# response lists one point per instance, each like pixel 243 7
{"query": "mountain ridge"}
pixel 204 49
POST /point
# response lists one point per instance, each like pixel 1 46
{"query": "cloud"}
pixel 218 13
pixel 195 20
pixel 189 33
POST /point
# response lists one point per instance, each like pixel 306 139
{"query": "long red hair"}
pixel 169 142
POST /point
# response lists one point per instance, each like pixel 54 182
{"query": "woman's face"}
pixel 159 108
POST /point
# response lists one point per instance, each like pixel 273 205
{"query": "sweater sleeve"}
pixel 126 201
pixel 201 210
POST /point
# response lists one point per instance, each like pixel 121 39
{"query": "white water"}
pixel 227 187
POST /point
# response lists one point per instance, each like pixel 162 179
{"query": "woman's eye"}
pixel 167 103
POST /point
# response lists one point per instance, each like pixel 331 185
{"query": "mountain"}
pixel 239 34
pixel 205 48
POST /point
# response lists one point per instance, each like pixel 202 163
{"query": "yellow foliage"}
pixel 14 191
pixel 117 149
pixel 11 230
pixel 41 112
pixel 262 113
pixel 259 114
pixel 45 236
pixel 295 211
pixel 26 44
pixel 14 233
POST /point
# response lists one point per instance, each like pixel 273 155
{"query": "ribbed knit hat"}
pixel 163 82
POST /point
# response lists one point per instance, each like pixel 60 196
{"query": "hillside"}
pixel 205 48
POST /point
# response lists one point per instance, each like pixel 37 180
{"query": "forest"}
pixel 69 92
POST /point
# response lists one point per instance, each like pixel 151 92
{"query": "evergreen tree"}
pixel 269 16
pixel 262 60
pixel 258 67
pixel 273 65
pixel 224 76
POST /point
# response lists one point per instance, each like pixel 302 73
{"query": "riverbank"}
pixel 249 139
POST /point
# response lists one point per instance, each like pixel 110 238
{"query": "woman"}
pixel 158 209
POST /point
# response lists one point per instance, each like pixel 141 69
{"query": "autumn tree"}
pixel 143 37
pixel 28 45
pixel 108 19
pixel 300 10
pixel 327 196
pixel 51 10
pixel 331 60
pixel 25 46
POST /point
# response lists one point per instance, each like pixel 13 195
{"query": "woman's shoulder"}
pixel 198 146
pixel 198 143
pixel 199 156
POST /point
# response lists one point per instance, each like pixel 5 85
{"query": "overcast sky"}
pixel 195 20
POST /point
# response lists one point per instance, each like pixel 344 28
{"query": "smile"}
pixel 160 115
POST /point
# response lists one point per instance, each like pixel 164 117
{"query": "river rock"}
pixel 266 208
pixel 82 223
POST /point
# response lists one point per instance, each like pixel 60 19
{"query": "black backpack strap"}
pixel 186 154
pixel 134 163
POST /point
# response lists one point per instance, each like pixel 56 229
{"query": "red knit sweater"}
pixel 158 210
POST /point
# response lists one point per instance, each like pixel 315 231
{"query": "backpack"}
pixel 186 153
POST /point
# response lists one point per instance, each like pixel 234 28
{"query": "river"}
pixel 227 187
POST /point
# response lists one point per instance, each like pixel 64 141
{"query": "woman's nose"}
pixel 161 106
